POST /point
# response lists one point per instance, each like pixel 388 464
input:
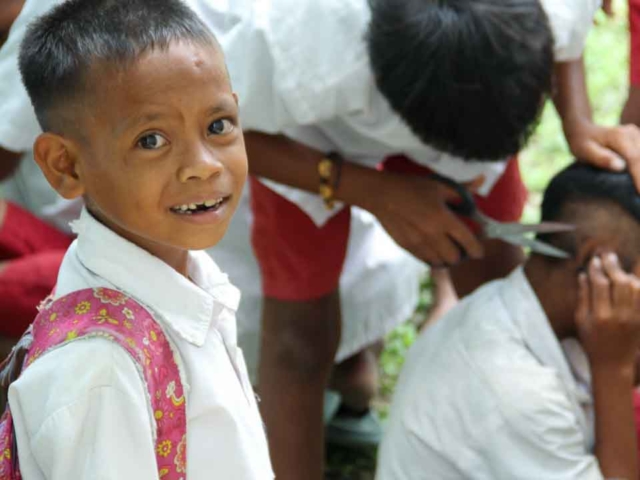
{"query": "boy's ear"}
pixel 57 157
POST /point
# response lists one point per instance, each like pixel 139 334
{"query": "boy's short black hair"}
pixel 596 201
pixel 468 76
pixel 61 47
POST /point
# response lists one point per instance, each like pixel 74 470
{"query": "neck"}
pixel 176 258
pixel 547 282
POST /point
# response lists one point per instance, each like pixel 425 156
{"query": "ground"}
pixel 607 69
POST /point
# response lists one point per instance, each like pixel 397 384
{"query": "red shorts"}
pixel 300 261
pixel 31 252
pixel 634 33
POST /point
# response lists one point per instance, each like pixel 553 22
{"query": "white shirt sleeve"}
pixel 19 133
pixel 571 21
pixel 541 438
pixel 80 412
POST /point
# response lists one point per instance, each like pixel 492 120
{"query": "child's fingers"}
pixel 582 310
pixel 621 286
pixel 600 291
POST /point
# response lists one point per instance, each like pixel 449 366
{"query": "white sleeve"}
pixel 18 124
pixel 80 412
pixel 571 21
pixel 541 438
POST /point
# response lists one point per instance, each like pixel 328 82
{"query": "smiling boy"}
pixel 140 120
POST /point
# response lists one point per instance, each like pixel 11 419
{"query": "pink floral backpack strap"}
pixel 110 314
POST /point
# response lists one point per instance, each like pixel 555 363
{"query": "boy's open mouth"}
pixel 195 208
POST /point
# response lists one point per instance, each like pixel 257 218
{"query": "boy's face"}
pixel 161 138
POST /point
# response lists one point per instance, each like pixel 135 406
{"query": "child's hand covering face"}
pixel 608 314
pixel 162 161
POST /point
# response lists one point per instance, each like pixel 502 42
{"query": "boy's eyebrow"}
pixel 225 105
pixel 131 122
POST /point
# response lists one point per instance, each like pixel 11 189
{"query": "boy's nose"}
pixel 200 164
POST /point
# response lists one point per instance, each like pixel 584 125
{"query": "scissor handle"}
pixel 467 205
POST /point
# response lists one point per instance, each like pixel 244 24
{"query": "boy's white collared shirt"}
pixel 488 393
pixel 81 410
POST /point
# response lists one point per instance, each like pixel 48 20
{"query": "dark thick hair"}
pixel 584 195
pixel 468 76
pixel 61 47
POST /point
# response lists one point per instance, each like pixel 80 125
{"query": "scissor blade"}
pixel 536 246
pixel 500 230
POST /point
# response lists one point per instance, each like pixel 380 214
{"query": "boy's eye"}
pixel 152 141
pixel 220 127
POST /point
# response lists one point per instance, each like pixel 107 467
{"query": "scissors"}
pixel 512 232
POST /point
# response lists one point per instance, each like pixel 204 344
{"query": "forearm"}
pixel 286 161
pixel 616 444
pixel 570 97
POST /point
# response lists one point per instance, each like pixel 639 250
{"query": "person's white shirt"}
pixel 81 411
pixel 300 67
pixel 489 393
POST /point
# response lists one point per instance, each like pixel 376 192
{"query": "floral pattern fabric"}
pixel 107 313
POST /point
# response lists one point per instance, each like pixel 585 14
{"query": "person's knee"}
pixel 301 337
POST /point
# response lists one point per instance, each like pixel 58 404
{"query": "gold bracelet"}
pixel 327 188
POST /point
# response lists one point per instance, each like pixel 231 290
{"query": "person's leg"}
pixel 300 266
pixel 444 297
pixel 631 112
pixel 299 342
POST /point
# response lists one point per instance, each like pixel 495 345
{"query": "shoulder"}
pixel 479 364
pixel 73 374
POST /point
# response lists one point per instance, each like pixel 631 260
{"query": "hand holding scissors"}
pixel 513 232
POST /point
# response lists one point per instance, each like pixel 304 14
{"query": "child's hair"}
pixel 596 201
pixel 468 76
pixel 61 48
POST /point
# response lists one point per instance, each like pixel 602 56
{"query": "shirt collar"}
pixel 528 315
pixel 187 307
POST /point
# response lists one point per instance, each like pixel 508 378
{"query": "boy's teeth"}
pixel 190 207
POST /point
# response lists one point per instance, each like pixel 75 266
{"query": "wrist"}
pixel 576 126
pixel 362 187
pixel 618 372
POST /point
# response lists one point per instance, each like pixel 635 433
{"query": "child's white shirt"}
pixel 489 393
pixel 81 412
